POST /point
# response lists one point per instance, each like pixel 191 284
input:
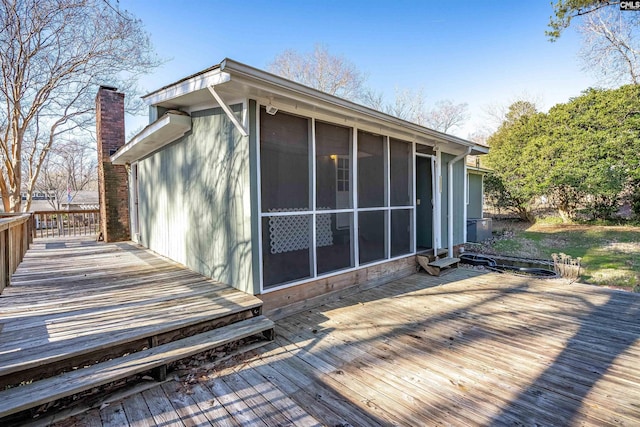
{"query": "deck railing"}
pixel 16 234
pixel 66 223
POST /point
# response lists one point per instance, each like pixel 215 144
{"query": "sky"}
pixel 482 53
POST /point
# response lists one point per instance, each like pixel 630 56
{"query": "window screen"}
pixel 285 249
pixel 401 172
pixel 284 162
pixel 371 236
pixel 371 170
pixel 401 241
pixel 334 246
pixel 333 166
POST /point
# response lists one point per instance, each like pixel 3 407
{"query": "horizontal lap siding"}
pixel 194 200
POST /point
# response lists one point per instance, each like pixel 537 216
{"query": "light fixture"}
pixel 271 110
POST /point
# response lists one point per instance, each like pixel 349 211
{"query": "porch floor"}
pixel 74 298
pixel 465 349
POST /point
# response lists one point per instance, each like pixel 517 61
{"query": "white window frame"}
pixel 354 210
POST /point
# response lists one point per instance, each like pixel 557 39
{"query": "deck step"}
pixel 444 262
pixel 438 266
pixel 154 324
pixel 47 390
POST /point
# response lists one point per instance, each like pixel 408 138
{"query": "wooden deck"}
pixel 464 349
pixel 78 301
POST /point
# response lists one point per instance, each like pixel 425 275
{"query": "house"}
pixel 42 201
pixel 286 192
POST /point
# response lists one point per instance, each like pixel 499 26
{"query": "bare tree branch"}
pixel 446 116
pixel 321 70
pixel 55 54
pixel 611 46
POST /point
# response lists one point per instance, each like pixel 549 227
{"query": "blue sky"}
pixel 480 53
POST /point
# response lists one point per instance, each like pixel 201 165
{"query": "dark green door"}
pixel 424 203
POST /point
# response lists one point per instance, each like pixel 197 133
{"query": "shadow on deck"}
pixel 74 302
pixel 465 349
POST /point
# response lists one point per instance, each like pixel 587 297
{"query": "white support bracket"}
pixel 228 112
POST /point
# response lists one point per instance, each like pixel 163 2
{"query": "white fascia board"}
pixel 306 94
pixel 163 131
pixel 195 83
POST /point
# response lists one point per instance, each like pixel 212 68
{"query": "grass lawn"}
pixel 610 254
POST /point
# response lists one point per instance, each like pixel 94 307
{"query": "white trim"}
pixel 482 196
pixel 162 132
pixel 292 90
pixel 247 81
pixel 465 178
pixel 414 197
pixel 259 201
pixel 286 213
pixel 380 208
pixel 386 158
pixel 201 81
pixel 434 210
pixel 313 250
pixel 438 197
pixel 450 164
pixel 355 233
pixel 135 198
pixel 354 211
pixel 432 201
pixel 240 126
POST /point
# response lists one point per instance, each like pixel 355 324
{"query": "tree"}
pixel 513 184
pixel 410 105
pixel 582 153
pixel 611 46
pixel 596 145
pixel 54 55
pixel 446 116
pixel 565 11
pixel 337 76
pixel 72 168
pixel 321 70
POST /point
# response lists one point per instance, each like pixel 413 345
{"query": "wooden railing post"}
pixel 15 238
pixel 4 241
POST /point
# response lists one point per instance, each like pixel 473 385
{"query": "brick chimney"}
pixel 112 179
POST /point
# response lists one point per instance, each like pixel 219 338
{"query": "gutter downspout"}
pixel 450 200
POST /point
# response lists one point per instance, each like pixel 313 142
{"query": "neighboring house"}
pixel 81 200
pixel 287 192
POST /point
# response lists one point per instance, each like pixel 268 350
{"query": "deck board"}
pixel 466 349
pixel 72 296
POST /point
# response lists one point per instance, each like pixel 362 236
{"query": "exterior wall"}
pixel 194 200
pixel 112 179
pixel 459 199
pixel 474 208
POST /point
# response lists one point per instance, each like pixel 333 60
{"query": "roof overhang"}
pixel 163 131
pixel 233 80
